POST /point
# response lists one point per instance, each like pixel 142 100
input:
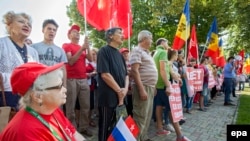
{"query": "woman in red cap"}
pixel 40 117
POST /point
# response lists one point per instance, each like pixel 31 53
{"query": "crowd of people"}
pixel 58 91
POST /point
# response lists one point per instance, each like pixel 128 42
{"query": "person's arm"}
pixel 137 79
pixel 175 76
pixel 78 136
pixel 126 85
pixel 73 58
pixel 163 73
pixel 109 80
pixel 89 55
pixel 64 76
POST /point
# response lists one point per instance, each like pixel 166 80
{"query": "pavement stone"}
pixel 199 126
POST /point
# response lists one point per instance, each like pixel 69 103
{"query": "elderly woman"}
pixel 14 51
pixel 40 118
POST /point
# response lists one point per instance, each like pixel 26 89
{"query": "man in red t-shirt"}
pixel 77 84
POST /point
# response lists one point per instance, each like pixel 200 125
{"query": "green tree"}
pixel 162 17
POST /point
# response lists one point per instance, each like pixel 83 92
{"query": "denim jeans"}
pixel 228 87
pixel 189 102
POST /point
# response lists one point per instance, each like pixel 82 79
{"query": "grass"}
pixel 243 116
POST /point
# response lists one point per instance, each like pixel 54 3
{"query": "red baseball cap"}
pixel 23 76
pixel 76 27
pixel 122 50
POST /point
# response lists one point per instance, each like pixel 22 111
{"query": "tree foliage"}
pixel 162 17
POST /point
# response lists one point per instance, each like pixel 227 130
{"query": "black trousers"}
pixel 213 92
pixel 107 121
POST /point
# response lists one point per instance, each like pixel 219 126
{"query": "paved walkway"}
pixel 200 126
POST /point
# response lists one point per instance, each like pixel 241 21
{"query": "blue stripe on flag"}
pixel 117 135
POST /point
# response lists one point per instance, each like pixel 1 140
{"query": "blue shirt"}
pixel 228 71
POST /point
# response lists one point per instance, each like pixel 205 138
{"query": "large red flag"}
pixel 103 14
pixel 122 16
pixel 193 46
pixel 98 13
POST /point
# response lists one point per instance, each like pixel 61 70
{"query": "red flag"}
pixel 132 126
pixel 193 46
pixel 240 64
pixel 103 15
pixel 242 54
pixel 98 13
pixel 122 16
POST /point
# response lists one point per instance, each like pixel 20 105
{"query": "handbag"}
pixel 6 112
pixel 121 111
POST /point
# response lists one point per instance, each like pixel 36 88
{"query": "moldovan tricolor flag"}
pixel 124 131
pixel 193 46
pixel 213 39
pixel 247 65
pixel 220 62
pixel 183 30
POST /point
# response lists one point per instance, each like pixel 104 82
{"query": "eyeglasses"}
pixel 54 87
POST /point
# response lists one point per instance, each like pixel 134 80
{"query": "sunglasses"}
pixel 54 87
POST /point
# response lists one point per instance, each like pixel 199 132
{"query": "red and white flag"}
pixel 124 131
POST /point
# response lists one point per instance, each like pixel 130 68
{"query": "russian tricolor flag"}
pixel 125 130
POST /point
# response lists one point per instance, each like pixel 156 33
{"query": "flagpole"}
pixel 197 51
pixel 128 33
pixel 85 19
pixel 204 49
pixel 185 49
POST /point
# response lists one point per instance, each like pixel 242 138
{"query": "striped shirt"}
pixel 147 69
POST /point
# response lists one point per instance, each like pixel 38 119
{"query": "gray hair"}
pixel 10 16
pixel 143 34
pixel 41 83
pixel 111 32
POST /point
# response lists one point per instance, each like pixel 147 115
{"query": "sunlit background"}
pixel 39 10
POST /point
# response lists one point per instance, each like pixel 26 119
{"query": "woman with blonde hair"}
pixel 14 51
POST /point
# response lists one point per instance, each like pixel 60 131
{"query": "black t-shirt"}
pixel 110 60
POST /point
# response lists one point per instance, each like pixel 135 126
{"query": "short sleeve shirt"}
pixel 50 54
pixel 147 69
pixel 78 69
pixel 110 60
pixel 161 55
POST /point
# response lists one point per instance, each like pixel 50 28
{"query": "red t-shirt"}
pixel 78 69
pixel 26 127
